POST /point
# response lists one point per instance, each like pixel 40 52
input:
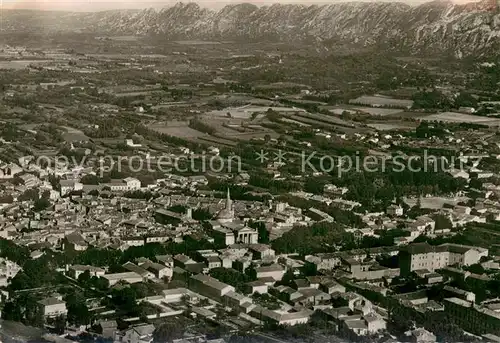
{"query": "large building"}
pixel 228 231
pixel 473 318
pixel 209 287
pixel 53 307
pixel 422 256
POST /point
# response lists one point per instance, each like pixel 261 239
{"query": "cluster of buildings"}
pixel 353 290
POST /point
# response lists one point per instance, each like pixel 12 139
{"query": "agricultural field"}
pixel 246 112
pixel 434 203
pixel 325 118
pixel 74 135
pixel 392 126
pixel 291 121
pixel 455 117
pixel 21 64
pixel 377 111
pixel 177 129
pixel 379 101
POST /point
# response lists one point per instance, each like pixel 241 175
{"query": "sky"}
pixel 99 5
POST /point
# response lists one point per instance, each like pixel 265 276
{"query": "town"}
pixel 212 191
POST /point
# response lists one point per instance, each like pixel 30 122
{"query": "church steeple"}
pixel 229 203
pixel 226 215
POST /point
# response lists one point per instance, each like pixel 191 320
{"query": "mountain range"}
pixel 436 27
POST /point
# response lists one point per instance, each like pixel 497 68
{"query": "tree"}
pixel 94 192
pixel 29 195
pixel 84 278
pixel 169 331
pixel 251 273
pixel 41 204
pixel 125 300
pixel 24 308
pixel 78 312
pixel 431 100
pixel 90 179
pixel 60 324
pixel 476 268
pixel 287 279
pixel 442 222
pixel 262 230
pixel 231 277
pixel 465 100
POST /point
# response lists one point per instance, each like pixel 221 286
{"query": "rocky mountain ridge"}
pixel 434 26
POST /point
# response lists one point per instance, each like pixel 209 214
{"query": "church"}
pixel 225 229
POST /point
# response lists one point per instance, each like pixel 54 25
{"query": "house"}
pixel 109 328
pixel 8 171
pixel 116 185
pixel 53 307
pixel 182 260
pixel 68 186
pixel 130 143
pixel 274 271
pixel 311 296
pixel 213 262
pixel 29 180
pixel 133 241
pixel 209 287
pixel 331 286
pixel 198 179
pixel 452 292
pixel 8 270
pixel 138 334
pixel 422 256
pixel 299 284
pixel 160 271
pixel 256 287
pixel 75 241
pixel 261 251
pixel 395 210
pixel 423 223
pixel 131 267
pixel 76 270
pixel 421 335
pixel 280 318
pixel 132 183
pixel 374 323
pixel 166 260
pixel 236 301
pixel 130 277
pixel 285 293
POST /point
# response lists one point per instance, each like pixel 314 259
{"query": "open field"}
pixel 376 111
pixel 325 118
pixel 380 101
pixel 434 202
pixel 288 120
pixel 245 112
pixel 392 126
pixel 125 38
pixel 74 135
pixel 20 64
pixel 455 117
pixel 177 129
pixel 197 42
pixel 215 141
